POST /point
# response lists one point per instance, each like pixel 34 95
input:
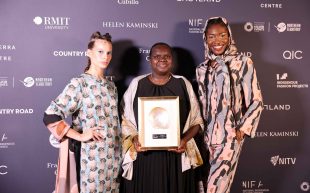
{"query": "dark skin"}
pixel 161 64
pixel 217 38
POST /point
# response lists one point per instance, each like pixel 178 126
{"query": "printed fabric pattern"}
pixel 95 106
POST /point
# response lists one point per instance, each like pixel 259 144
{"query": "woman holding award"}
pixel 169 170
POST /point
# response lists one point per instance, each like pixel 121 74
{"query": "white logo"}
pixel 128 2
pixel 5 144
pixel 3 169
pixel 271 5
pixel 57 23
pixel 282 82
pixel 28 82
pixel 38 20
pixel 6 58
pixel 305 186
pixel 290 27
pixel 255 26
pixel 145 52
pixel 52 166
pixel 252 184
pixel 196 25
pixel 276 160
pixel 276 134
pixel 38 82
pixel 281 27
pixel 69 53
pixel 135 25
pixel 248 54
pixel 16 111
pixel 248 26
pixel 3 137
pixel 3 82
pixel 54 142
pixel 284 107
pixel 7 47
pixel 282 77
pixel 291 54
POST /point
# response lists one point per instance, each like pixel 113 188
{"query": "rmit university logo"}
pixel 277 160
pixel 57 23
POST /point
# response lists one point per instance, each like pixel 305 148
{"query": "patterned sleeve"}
pixel 64 105
pixel 253 100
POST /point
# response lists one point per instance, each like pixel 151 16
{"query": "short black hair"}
pixel 160 44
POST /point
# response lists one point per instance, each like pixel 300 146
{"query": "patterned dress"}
pixel 92 103
pixel 231 100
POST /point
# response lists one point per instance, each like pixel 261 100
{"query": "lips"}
pixel 217 48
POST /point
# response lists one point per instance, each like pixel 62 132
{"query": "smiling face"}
pixel 100 55
pixel 217 38
pixel 161 60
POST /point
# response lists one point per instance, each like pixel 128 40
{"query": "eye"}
pixel 100 51
pixel 210 36
pixel 156 57
pixel 224 35
pixel 109 53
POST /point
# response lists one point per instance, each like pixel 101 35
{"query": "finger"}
pixel 97 136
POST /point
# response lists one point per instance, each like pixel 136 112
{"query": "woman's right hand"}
pixel 92 133
pixel 136 143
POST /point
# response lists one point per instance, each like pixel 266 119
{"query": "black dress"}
pixel 161 171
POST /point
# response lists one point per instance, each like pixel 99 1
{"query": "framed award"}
pixel 159 122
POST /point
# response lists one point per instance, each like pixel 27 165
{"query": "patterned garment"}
pixel 231 100
pixel 93 103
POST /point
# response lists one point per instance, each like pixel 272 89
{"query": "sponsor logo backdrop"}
pixel 43 44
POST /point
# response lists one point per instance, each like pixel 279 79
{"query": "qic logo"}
pixel 59 23
pixel 292 54
pixel 276 160
pixel 3 169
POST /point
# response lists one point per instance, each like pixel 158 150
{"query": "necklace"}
pixel 159 81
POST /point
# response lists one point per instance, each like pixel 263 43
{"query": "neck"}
pixel 99 73
pixel 160 79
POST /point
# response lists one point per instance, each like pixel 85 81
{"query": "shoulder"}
pixel 181 78
pixel 137 79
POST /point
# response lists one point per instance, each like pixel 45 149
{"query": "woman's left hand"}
pixel 181 148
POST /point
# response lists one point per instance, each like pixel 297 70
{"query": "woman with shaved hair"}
pixel 231 102
pixel 160 171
